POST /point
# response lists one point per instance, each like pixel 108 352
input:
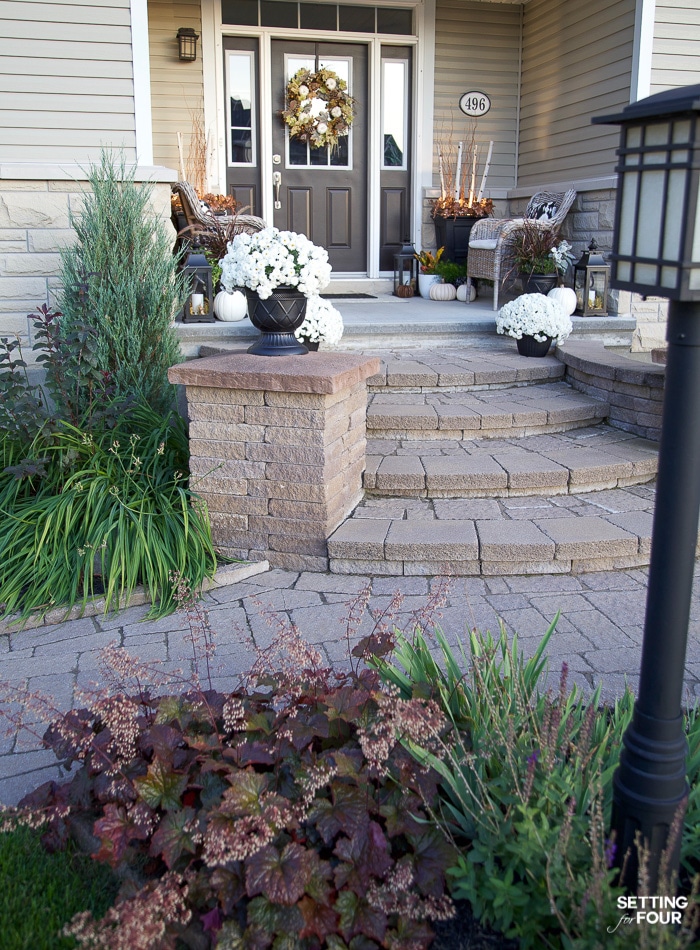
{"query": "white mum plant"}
pixel 322 324
pixel 534 315
pixel 270 259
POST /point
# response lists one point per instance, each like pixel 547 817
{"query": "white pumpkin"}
pixel 565 297
pixel 462 293
pixel 443 292
pixel 230 307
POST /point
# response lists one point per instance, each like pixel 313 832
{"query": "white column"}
pixel 644 18
pixel 142 82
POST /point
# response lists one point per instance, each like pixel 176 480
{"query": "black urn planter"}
pixel 529 346
pixel 277 317
pixel 538 283
pixel 453 235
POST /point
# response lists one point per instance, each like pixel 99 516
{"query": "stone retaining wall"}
pixel 633 390
pixel 277 450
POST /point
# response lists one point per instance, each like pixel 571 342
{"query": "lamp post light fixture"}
pixel 591 279
pixel 187 44
pixel 405 271
pixel 656 250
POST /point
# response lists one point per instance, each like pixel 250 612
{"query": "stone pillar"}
pixel 277 450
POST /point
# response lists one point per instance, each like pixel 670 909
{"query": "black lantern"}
pixel 405 271
pixel 656 250
pixel 187 44
pixel 591 279
pixel 199 303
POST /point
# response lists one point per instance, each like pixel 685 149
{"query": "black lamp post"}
pixel 656 250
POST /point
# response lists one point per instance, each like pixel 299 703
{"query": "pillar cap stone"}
pixel 324 373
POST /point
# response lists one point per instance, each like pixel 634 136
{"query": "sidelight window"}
pixel 241 107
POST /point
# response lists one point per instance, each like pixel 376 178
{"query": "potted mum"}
pixel 534 321
pixel 279 271
pixel 322 324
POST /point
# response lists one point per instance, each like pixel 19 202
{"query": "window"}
pixel 329 17
pixel 241 108
pixel 394 113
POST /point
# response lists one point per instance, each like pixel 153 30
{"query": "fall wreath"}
pixel 319 110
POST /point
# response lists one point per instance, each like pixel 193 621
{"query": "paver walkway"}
pixel 599 636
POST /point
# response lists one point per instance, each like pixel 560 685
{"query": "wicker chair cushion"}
pixel 484 245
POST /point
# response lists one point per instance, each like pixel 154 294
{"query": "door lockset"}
pixel 277 181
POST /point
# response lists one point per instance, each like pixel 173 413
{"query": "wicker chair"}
pixel 490 249
pixel 200 218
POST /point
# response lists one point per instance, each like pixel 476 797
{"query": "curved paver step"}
pixel 461 369
pixel 528 410
pixel 543 535
pixel 581 460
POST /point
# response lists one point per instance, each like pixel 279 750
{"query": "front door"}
pixel 322 192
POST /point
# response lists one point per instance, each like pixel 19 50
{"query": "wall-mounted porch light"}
pixel 187 44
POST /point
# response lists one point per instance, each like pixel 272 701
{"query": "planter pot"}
pixel 230 307
pixel 425 282
pixel 538 283
pixel 453 235
pixel 529 346
pixel 277 317
pixel 311 345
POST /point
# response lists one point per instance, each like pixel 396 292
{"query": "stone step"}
pixel 581 460
pixel 460 369
pixel 561 534
pixel 526 410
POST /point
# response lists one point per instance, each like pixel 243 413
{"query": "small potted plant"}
pixel 534 321
pixel 427 272
pixel 322 324
pixel 539 256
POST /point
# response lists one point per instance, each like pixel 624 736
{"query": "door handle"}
pixel 277 181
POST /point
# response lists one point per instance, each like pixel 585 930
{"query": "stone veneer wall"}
pixel 35 203
pixel 592 216
pixel 277 450
pixel 634 390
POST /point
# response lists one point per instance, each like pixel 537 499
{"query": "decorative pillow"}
pixel 541 210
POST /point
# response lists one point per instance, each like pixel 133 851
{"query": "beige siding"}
pixel 176 88
pixel 676 51
pixel 66 81
pixel 577 60
pixel 477 48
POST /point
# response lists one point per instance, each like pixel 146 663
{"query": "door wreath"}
pixel 319 110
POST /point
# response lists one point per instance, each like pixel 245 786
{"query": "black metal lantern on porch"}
pixel 591 280
pixel 405 271
pixel 187 44
pixel 199 304
pixel 656 250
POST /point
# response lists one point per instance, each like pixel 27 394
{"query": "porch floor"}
pixel 386 320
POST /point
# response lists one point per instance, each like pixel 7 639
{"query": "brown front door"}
pixel 322 193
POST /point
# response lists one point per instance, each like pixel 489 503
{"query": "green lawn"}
pixel 40 892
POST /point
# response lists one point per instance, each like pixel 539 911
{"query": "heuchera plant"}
pixel 281 815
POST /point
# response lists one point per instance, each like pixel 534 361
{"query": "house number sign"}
pixel 474 104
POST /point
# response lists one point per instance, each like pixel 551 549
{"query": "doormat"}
pixel 349 296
